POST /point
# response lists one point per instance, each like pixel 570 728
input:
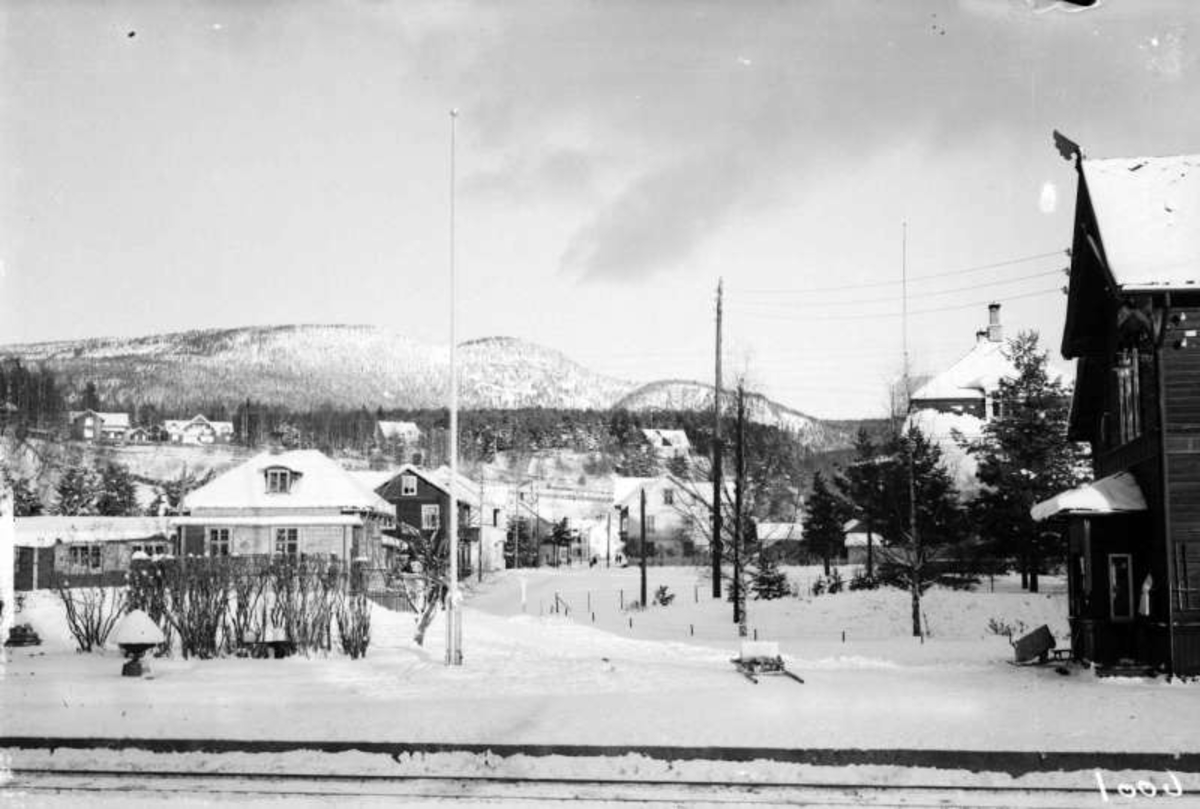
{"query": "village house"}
pixel 668 444
pixel 673 518
pixel 1132 321
pixel 422 500
pixel 968 386
pixel 295 504
pixel 783 541
pixel 93 426
pixel 85 550
pixel 397 432
pixel 198 430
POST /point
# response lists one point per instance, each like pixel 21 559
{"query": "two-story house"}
pixel 674 517
pixel 93 426
pixel 296 504
pixel 422 501
pixel 1132 321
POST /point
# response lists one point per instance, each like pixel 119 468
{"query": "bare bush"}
pixel 199 598
pixel 92 612
pixel 148 592
pixel 354 624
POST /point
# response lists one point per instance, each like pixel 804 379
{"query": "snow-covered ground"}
pixel 558 679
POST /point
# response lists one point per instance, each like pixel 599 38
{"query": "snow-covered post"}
pixel 8 551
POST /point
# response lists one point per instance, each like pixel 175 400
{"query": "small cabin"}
pixel 1132 321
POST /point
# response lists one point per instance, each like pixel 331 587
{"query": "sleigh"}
pixel 761 657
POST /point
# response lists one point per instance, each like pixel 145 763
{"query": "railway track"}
pixel 97 787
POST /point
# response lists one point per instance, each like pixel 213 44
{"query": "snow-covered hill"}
pixel 364 366
pixel 678 394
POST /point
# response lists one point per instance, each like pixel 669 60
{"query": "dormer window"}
pixel 408 485
pixel 279 480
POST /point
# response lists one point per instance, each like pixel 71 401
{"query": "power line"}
pixel 764 316
pixel 942 274
pixel 891 299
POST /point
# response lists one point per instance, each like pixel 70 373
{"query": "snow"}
pixel 1147 210
pixel 530 676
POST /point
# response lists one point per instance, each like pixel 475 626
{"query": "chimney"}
pixel 995 332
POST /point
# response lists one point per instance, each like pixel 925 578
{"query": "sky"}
pixel 182 165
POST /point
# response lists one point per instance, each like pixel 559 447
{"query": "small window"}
pixel 218 542
pixel 495 518
pixel 650 528
pixel 431 517
pixel 1120 586
pixel 668 497
pixel 86 556
pixel 287 542
pixel 279 481
pixel 408 485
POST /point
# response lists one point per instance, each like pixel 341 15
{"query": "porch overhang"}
pixel 1115 494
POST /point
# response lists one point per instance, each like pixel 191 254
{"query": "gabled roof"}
pixel 675 439
pixel 44 532
pixel 1147 210
pixel 465 491
pixel 770 533
pixel 398 429
pixel 977 372
pixel 321 484
pixel 109 419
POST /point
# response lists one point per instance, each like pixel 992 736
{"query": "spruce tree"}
pixel 824 526
pixel 769 581
pixel 117 496
pixel 76 492
pixel 1025 457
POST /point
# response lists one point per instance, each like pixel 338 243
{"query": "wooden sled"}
pixel 1038 649
pixel 761 657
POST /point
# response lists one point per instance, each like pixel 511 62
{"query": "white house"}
pixel 198 430
pixel 392 432
pixel 674 516
pixel 298 503
pixel 668 444
pixel 92 425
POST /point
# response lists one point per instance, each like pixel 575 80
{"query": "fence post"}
pixel 696 591
pixel 622 598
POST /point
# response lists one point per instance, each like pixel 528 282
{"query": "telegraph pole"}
pixel 643 546
pixel 453 596
pixel 914 538
pixel 739 596
pixel 716 461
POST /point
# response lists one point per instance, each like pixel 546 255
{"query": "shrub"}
pixel 354 624
pixel 92 612
pixel 836 583
pixel 663 597
pixel 818 586
pixel 998 626
pixel 861 581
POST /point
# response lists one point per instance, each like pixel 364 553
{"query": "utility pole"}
pixel 739 595
pixel 453 596
pixel 716 460
pixel 914 538
pixel 643 548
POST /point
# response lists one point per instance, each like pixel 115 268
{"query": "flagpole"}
pixel 453 596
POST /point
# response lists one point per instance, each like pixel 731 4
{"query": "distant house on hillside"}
pixel 783 541
pixel 93 426
pixel 198 430
pixel 1132 324
pixel 668 444
pixel 295 504
pixel 397 432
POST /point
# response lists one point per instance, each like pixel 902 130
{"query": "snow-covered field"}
pixel 534 676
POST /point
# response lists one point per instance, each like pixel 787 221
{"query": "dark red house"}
pixel 1132 318
pixel 422 501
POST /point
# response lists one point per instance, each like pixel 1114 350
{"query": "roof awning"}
pixel 1115 494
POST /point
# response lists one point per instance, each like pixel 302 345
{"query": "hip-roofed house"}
pixel 299 504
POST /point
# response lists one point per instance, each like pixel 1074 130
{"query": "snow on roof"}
pixel 667 438
pixel 320 484
pixel 372 478
pixel 109 419
pixel 1148 213
pixel 399 429
pixel 44 532
pixel 1114 494
pixel 771 532
pixel 978 372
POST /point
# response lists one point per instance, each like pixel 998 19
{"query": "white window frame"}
pixel 285 537
pixel 408 485
pixel 431 517
pixel 279 480
pixel 218 538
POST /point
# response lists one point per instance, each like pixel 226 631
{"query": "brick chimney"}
pixel 995 332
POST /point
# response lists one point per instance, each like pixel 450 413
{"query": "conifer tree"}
pixel 769 581
pixel 76 492
pixel 823 527
pixel 116 494
pixel 1025 457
